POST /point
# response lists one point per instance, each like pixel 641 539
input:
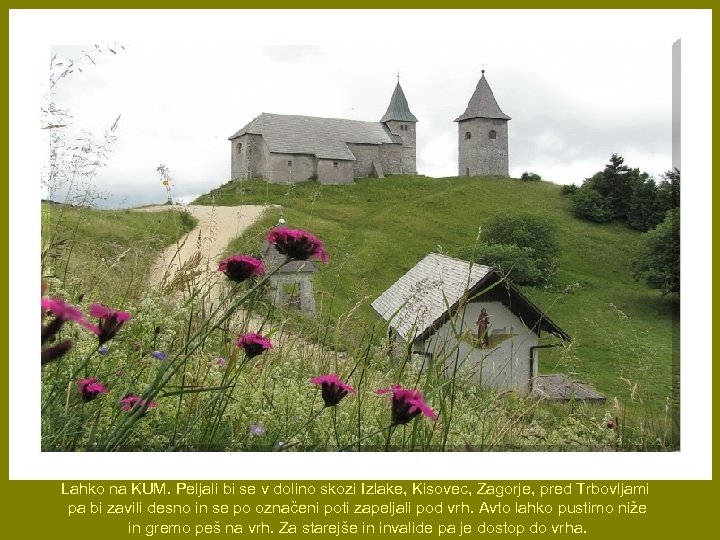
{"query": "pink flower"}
pixel 91 388
pixel 110 321
pixel 333 389
pixel 253 344
pixel 63 312
pixel 130 401
pixel 406 404
pixel 241 267
pixel 297 244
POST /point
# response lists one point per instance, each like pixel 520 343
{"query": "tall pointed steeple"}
pixel 398 108
pixel 482 103
pixel 483 135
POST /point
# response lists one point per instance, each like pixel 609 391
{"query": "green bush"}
pixel 517 263
pixel 658 260
pixel 526 231
pixel 530 177
pixel 569 189
pixel 588 204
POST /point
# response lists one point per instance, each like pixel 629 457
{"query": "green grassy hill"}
pixel 376 229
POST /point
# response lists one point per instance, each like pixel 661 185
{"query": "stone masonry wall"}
pixel 408 164
pixel 480 155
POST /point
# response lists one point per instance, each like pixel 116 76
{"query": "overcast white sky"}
pixel 579 85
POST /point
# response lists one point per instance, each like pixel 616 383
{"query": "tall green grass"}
pixel 377 229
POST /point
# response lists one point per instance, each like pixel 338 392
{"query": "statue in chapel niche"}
pixel 483 322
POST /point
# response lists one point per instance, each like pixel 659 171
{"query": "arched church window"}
pixel 239 148
pixel 468 135
pixel 492 134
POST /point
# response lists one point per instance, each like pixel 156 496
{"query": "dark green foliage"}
pixel 588 204
pixel 619 192
pixel 643 209
pixel 517 263
pixel 530 177
pixel 527 231
pixel 568 189
pixel 658 260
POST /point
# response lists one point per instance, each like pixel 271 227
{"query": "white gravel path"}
pixel 217 225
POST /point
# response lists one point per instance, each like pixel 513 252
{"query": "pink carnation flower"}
pixel 91 388
pixel 297 244
pixel 333 389
pixel 241 267
pixel 253 344
pixel 406 404
pixel 65 312
pixel 131 400
pixel 110 321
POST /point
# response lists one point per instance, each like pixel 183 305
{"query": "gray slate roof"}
pixel 482 104
pixel 325 138
pixel 398 108
pixel 420 298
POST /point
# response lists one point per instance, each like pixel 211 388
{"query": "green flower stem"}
pixel 367 437
pixel 313 417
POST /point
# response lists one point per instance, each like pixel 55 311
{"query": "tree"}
pixel 526 231
pixel 658 259
pixel 518 264
pixel 587 203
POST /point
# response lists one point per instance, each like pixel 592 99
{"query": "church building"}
pixel 483 135
pixel 290 148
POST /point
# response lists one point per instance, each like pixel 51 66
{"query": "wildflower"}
pixel 159 355
pixel 256 430
pixel 63 312
pixel 102 351
pixel 241 267
pixel 90 389
pixel 110 321
pixel 55 352
pixel 221 362
pixel 253 344
pixel 297 244
pixel 610 424
pixel 333 389
pixel 407 404
pixel 129 401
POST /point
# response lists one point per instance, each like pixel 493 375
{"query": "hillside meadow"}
pixel 377 229
pixel 195 387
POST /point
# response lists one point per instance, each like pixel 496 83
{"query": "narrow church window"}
pixel 289 163
pixel 492 134
pixel 239 148
pixel 468 135
pixel 467 172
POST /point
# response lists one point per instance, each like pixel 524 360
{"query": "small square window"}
pixel 289 163
pixel 335 164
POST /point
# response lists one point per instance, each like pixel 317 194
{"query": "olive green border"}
pixel 679 507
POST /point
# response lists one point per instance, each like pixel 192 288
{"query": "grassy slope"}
pixel 106 255
pixel 375 230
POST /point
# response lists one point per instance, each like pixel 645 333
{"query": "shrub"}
pixel 569 189
pixel 658 260
pixel 530 177
pixel 588 204
pixel 526 231
pixel 517 263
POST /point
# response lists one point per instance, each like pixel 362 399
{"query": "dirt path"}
pixel 201 248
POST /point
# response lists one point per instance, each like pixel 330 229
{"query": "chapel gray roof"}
pixel 398 108
pixel 421 297
pixel 325 138
pixel 431 291
pixel 482 104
